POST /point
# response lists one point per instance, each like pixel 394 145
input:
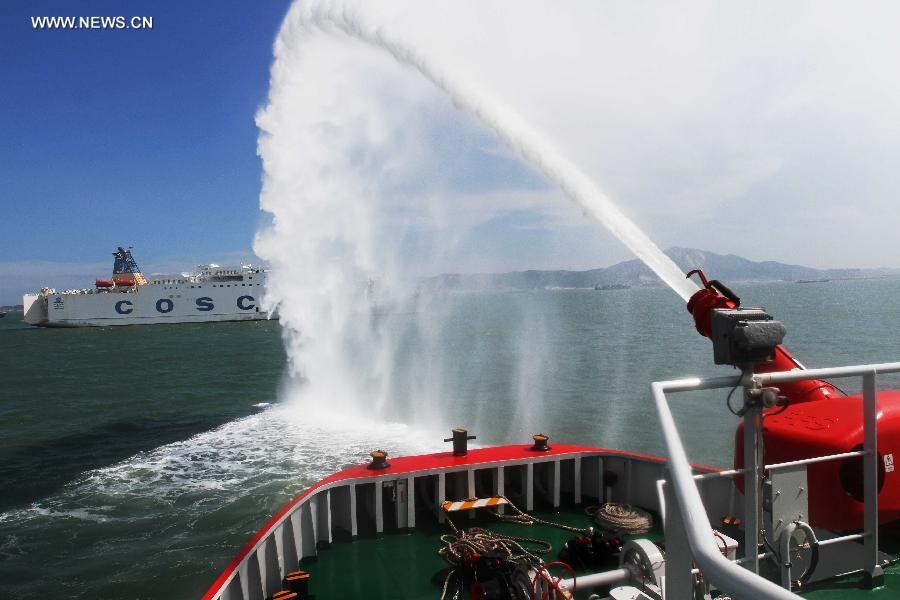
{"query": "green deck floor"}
pixel 850 587
pixel 402 565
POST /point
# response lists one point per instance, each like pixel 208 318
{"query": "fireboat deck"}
pixel 375 533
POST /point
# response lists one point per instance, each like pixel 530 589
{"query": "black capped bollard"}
pixel 540 442
pixel 460 441
pixel 379 460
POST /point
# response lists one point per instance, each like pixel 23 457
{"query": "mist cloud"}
pixel 741 128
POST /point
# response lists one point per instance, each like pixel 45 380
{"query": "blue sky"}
pixel 768 130
pixel 148 139
pixel 132 137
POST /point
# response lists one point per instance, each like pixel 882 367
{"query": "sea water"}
pixel 136 461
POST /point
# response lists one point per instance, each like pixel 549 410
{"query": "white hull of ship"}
pixel 141 308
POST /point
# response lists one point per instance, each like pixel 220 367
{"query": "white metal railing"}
pixel 690 519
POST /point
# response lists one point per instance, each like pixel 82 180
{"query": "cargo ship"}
pixel 810 508
pixel 211 293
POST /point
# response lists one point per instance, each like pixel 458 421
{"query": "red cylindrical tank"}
pixel 834 426
pixel 104 283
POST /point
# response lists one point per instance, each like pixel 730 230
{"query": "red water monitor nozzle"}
pixel 711 296
pixel 741 336
pixel 715 296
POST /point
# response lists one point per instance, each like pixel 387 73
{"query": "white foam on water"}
pixel 185 505
pixel 94 515
pixel 276 449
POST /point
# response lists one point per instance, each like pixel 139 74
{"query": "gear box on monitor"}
pixel 744 336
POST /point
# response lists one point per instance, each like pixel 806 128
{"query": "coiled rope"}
pixel 460 546
pixel 623 518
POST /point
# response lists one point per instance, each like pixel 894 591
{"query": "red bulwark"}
pixel 444 460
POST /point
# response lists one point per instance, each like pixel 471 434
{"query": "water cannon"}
pixel 803 419
pixel 746 337
pixel 741 336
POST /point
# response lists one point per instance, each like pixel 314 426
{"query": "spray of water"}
pixel 324 155
pixel 503 121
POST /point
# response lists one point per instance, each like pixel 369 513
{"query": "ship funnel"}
pixel 126 270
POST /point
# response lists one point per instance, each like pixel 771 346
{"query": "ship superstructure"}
pixel 211 293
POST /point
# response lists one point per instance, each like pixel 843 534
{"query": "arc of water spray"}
pixel 518 135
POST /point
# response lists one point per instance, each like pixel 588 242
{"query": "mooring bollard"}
pixel 460 441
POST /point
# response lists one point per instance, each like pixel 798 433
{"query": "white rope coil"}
pixel 624 518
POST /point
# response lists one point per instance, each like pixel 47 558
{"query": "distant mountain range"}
pixel 634 273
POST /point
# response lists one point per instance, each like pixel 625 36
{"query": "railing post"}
pixel 718 570
pixel 679 582
pixel 874 573
pixel 753 457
